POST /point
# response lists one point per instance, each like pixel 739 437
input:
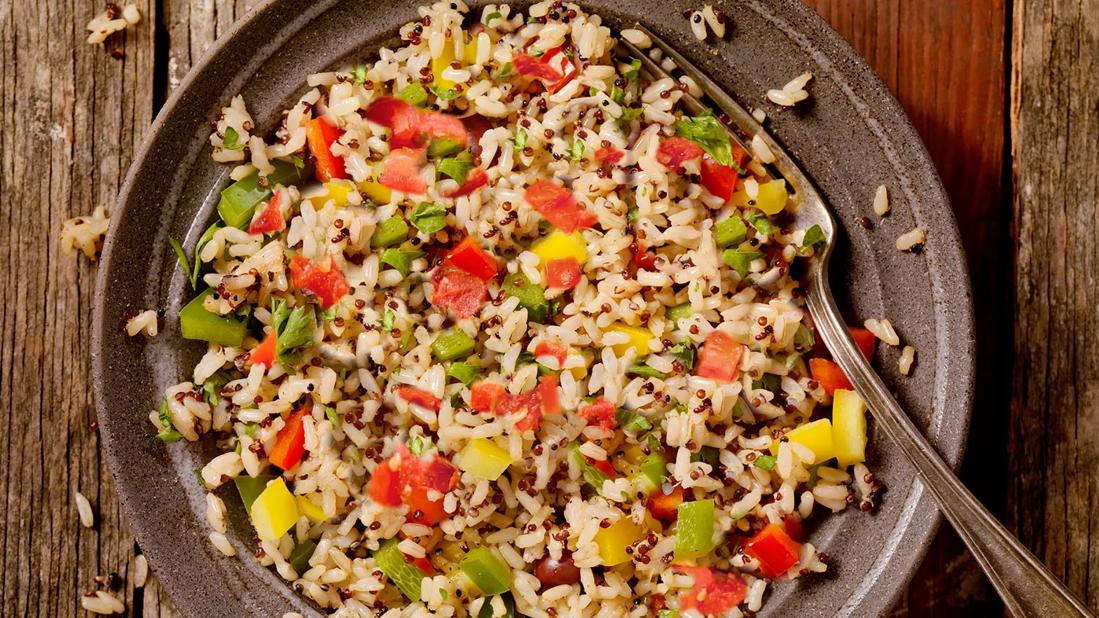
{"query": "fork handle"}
pixel 1023 582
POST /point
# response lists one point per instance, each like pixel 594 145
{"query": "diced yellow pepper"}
pixel 558 245
pixel 469 52
pixel 484 459
pixel 772 196
pixel 275 511
pixel 338 190
pixel 652 523
pixel 376 191
pixel 311 509
pixel 613 541
pixel 440 64
pixel 817 436
pixel 639 339
pixel 848 427
pixel 634 455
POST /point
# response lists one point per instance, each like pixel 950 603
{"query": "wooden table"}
pixel 1007 103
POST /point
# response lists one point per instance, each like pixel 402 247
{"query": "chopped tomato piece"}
pixel 484 396
pixel 604 466
pixel 386 484
pixel 402 171
pixel 541 400
pixel 774 549
pixel 717 178
pixel 476 126
pixel 599 412
pixel 419 397
pixel 424 565
pixel 609 154
pixel 320 134
pixel 528 65
pixel 794 527
pixel 476 179
pixel 557 60
pixel 269 219
pixel 435 473
pixel 290 442
pixel 558 351
pixel 264 353
pixel 468 256
pixel 437 125
pixel 665 507
pixel 412 128
pixel 675 151
pixel 643 259
pixel 547 393
pixel 558 205
pixel 714 592
pixel 427 476
pixel 719 358
pixel 395 114
pixel 324 279
pixel 829 375
pixel 563 273
pixel 458 291
pixel 865 339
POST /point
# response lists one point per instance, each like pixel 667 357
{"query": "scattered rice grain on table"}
pixel 792 93
pixel 84 511
pixel 881 201
pixel 102 602
pixel 911 240
pixel 113 19
pixel 143 323
pixel 908 356
pixel 141 571
pixel 883 330
pixel 490 321
pixel 85 233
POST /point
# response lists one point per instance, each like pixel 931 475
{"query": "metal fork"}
pixel 1024 583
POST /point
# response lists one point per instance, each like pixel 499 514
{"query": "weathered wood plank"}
pixel 945 63
pixel 1054 444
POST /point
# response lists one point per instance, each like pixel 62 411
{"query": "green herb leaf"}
pixel 206 237
pixel 444 146
pixel 538 53
pixel 211 388
pixel 181 255
pixel 419 444
pixel 168 434
pixel 231 141
pixel 463 372
pixel 685 351
pixel 520 138
pixel 445 94
pixel 813 236
pixel 804 338
pixel 645 371
pixel 766 462
pixel 576 151
pixel 491 16
pixel 298 162
pixel 707 132
pixel 629 114
pixel 294 329
pixel 760 221
pixel 632 421
pixel 618 95
pixel 768 381
pixel 401 260
pixel 329 314
pixel 505 71
pixel 739 259
pixel 413 93
pixel 388 319
pixel 428 217
pixel 332 415
pixel 359 74
pixel 634 71
pixel 457 168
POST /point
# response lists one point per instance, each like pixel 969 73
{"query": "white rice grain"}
pixel 911 239
pixel 881 201
pixel 908 356
pixel 883 330
pixel 102 602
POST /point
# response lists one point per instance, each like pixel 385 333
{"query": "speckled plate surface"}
pixel 850 136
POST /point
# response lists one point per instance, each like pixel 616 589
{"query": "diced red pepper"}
pixel 643 259
pixel 795 527
pixel 457 290
pixel 774 549
pixel 558 351
pixel 476 179
pixel 717 178
pixel 558 205
pixel 419 397
pixel 435 473
pixel 665 506
pixel 324 279
pixel 828 375
pixel 599 412
pixel 427 475
pixel 269 219
pixel 402 171
pixel 413 128
pixel 290 442
pixel 609 154
pixel 264 353
pixel 320 134
pixel 424 564
pixel 675 151
pixel 719 358
pixel 714 592
pixel 865 339
pixel 386 484
pixel 485 396
pixel 563 273
pixel 468 256
pixel 547 393
pixel 604 466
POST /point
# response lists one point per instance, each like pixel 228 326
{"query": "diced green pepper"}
pixel 678 312
pixel 463 372
pixel 694 528
pixel 405 575
pixel 729 232
pixel 195 322
pixel 740 259
pixel 532 296
pixel 766 462
pixel 299 557
pixel 487 571
pixel 250 487
pixel 413 93
pixel 239 200
pixel 401 260
pixel 444 146
pixel 652 471
pixel 452 344
pixel 392 231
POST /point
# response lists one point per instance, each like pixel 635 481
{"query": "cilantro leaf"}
pixel 813 236
pixel 401 260
pixel 456 167
pixel 504 71
pixel 445 94
pixel 168 433
pixel 520 138
pixel 231 141
pixel 576 151
pixel 762 224
pixel 491 16
pixel 211 388
pixel 358 74
pixel 294 329
pixel 707 132
pixel 428 217
pixel 685 351
pixel 181 255
pixel 206 237
pixel 388 319
pixel 766 462
pixel 634 71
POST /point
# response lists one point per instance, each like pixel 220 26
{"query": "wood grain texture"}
pixel 1054 445
pixel 945 63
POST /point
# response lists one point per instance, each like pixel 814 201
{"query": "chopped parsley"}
pixel 707 132
pixel 428 217
pixel 231 141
